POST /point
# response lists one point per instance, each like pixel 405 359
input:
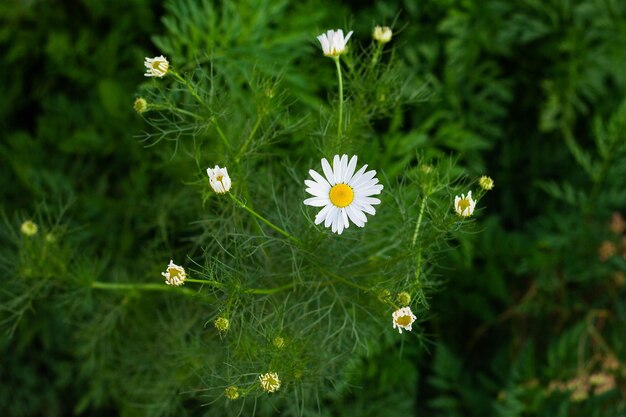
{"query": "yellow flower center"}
pixel 341 195
pixel 403 320
pixel 174 273
pixel 157 65
pixel 463 204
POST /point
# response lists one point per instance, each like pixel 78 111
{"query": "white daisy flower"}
pixel 333 42
pixel 157 66
pixel 343 194
pixel 464 206
pixel 174 275
pixel 219 179
pixel 403 319
pixel 269 382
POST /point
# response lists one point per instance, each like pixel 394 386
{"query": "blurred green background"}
pixel 531 319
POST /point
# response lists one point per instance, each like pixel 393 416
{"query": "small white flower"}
pixel 269 382
pixel 464 206
pixel 333 42
pixel 382 34
pixel 219 179
pixel 343 194
pixel 174 275
pixel 157 66
pixel 403 319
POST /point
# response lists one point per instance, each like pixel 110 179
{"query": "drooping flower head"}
pixel 157 66
pixel 174 275
pixel 343 194
pixel 333 42
pixel 382 34
pixel 403 319
pixel 219 179
pixel 269 382
pixel 29 228
pixel 463 205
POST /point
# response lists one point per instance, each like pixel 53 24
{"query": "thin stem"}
pixel 189 88
pixel 248 290
pixel 249 139
pixel 221 133
pixel 174 109
pixel 127 286
pixel 263 219
pixel 340 121
pixel 419 220
pixel 344 280
pixel 379 48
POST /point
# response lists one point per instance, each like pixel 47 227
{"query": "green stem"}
pixel 174 109
pixel 127 286
pixel 189 88
pixel 419 220
pixel 249 139
pixel 343 280
pixel 340 122
pixel 379 48
pixel 263 219
pixel 248 291
pixel 221 133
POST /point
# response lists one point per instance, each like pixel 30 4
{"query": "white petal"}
pixel 317 192
pixel 364 178
pixel 356 219
pixel 345 41
pixel 347 176
pixel 323 214
pixel 328 171
pixel 376 189
pixel 318 177
pixel 317 201
pixel 358 175
pixel 331 216
pixel 337 168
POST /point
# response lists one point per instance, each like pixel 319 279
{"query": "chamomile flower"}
pixel 219 179
pixel 343 194
pixel 463 205
pixel 157 66
pixel 174 275
pixel 382 34
pixel 333 42
pixel 269 382
pixel 486 183
pixel 403 319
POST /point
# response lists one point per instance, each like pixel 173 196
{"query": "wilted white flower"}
pixel 269 382
pixel 403 319
pixel 464 206
pixel 219 179
pixel 382 34
pixel 157 66
pixel 29 228
pixel 333 42
pixel 174 275
pixel 343 194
